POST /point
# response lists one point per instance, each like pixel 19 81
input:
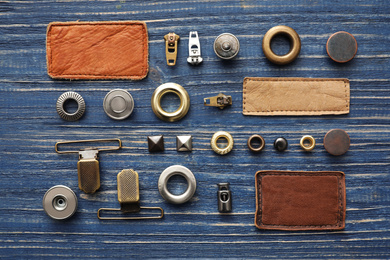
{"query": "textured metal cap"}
pixel 226 46
pixel 336 142
pixel 118 104
pixel 341 47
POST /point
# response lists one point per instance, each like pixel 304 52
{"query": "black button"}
pixel 280 144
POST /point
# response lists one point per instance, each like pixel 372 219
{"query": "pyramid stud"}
pixel 156 143
pixel 184 143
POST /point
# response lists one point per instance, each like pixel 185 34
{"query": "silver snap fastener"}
pixel 226 46
pixel 65 97
pixel 60 202
pixel 118 104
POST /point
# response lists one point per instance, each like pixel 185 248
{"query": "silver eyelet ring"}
pixel 168 173
pixel 80 106
pixel 60 202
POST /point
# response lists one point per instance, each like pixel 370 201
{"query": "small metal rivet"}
pixel 184 143
pixel 118 104
pixel 341 47
pixel 156 143
pixel 257 138
pixel 337 142
pixel 280 144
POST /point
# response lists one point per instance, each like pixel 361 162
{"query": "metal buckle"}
pixel 88 164
pixel 194 49
pixel 128 197
pixel 221 101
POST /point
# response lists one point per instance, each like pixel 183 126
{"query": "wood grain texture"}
pixel 30 127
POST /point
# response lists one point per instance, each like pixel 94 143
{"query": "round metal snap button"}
pixel 341 47
pixel 280 144
pixel 118 104
pixel 60 202
pixel 226 46
pixel 337 142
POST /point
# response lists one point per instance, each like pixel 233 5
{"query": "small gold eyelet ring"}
pixel 175 89
pixel 312 142
pixel 260 139
pixel 218 135
pixel 294 49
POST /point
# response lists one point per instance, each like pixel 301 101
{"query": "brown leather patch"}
pixel 288 200
pixel 295 96
pixel 97 50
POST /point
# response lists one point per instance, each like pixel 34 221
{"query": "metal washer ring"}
pixel 216 148
pixel 168 173
pixel 60 202
pixel 184 102
pixel 70 95
pixel 312 142
pixel 256 149
pixel 294 49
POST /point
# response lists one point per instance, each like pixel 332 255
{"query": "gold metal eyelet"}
pixel 175 89
pixel 294 49
pixel 218 135
pixel 310 139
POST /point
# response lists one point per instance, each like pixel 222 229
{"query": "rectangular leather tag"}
pixel 295 96
pixel 292 200
pixel 97 50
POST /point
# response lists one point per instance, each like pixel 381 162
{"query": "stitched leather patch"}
pixel 295 96
pixel 97 50
pixel 291 200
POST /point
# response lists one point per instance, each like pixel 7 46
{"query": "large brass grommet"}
pixel 218 135
pixel 258 138
pixel 175 89
pixel 295 44
pixel 307 142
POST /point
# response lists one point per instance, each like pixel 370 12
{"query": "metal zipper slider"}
pixel 171 40
pixel 194 49
pixel 221 101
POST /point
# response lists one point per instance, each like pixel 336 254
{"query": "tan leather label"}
pixel 292 200
pixel 295 96
pixel 97 50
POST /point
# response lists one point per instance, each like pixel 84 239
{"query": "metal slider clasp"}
pixel 171 40
pixel 194 49
pixel 88 165
pixel 221 101
pixel 128 197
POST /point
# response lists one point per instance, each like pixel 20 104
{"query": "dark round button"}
pixel 341 47
pixel 280 144
pixel 336 142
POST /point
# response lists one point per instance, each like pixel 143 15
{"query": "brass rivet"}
pixel 310 139
pixel 294 49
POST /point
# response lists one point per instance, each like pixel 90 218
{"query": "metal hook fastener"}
pixel 88 164
pixel 194 49
pixel 128 197
pixel 171 40
pixel 221 101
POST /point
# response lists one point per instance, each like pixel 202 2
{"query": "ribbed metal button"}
pixel 226 46
pixel 118 104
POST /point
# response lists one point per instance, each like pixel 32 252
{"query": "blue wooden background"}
pixel 30 127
